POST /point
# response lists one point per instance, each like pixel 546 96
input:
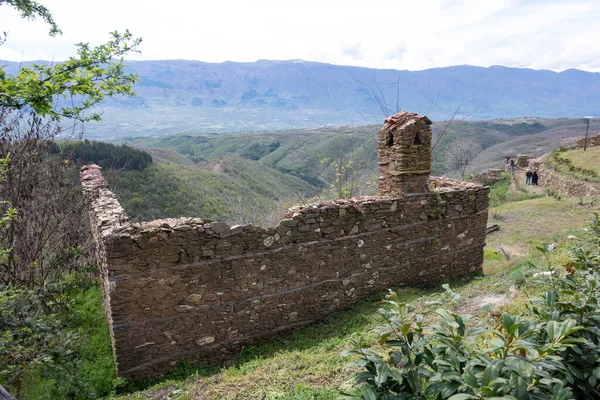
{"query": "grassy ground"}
pixel 307 365
pixel 527 224
pixel 588 159
pixel 507 190
pixel 582 165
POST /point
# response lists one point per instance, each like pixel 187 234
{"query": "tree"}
pixel 42 223
pixel 79 83
pixel 461 153
pixel 38 199
pixel 41 239
pixel 32 10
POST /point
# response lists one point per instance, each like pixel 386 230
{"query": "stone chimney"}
pixel 404 152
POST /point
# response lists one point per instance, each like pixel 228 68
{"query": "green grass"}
pixel 588 159
pixel 491 255
pixel 527 224
pixel 93 347
pixel 580 164
pixel 501 193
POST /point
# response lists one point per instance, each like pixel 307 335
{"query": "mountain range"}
pixel 177 96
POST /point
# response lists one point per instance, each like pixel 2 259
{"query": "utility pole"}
pixel 587 129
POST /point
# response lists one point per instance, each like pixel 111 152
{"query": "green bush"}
pixel 55 342
pixel 551 353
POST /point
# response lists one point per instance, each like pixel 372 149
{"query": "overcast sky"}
pixel 420 34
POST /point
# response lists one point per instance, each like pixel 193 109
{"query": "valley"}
pixel 257 176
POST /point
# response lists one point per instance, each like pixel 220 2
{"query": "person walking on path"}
pixel 528 176
pixel 512 165
pixel 534 178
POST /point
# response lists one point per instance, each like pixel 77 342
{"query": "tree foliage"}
pixel 31 10
pixel 43 230
pixel 68 89
pixel 42 338
pixel 37 237
pixel 47 228
pixel 106 155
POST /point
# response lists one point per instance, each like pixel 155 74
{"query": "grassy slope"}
pixel 589 159
pixel 307 365
pixel 298 152
pixel 175 186
pixel 579 164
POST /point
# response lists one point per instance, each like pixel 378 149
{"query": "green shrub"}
pixel 551 353
pixel 55 342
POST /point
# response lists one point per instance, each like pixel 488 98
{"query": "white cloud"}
pixel 397 34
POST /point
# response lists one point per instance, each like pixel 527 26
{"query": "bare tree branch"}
pixel 447 123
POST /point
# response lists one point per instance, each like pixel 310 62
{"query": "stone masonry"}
pixel 591 141
pixel 199 289
pixel 404 153
pixel 522 161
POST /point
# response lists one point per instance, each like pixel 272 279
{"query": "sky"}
pixel 413 35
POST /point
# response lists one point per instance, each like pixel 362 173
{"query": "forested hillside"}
pixel 231 189
pixel 300 152
pixel 254 177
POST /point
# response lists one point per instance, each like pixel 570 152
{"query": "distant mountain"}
pixel 192 96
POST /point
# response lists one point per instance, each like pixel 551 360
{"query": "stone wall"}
pixel 534 165
pixel 592 141
pixel 488 177
pixel 522 161
pixel 566 185
pixel 198 289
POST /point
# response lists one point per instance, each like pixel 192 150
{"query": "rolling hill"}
pixel 230 189
pixel 300 152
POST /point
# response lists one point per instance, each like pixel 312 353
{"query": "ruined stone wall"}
pixel 488 177
pixel 197 289
pixel 566 185
pixel 592 141
pixel 522 161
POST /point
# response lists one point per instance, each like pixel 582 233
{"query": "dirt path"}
pixel 517 183
pixel 513 185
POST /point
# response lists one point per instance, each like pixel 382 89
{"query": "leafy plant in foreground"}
pixel 553 353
